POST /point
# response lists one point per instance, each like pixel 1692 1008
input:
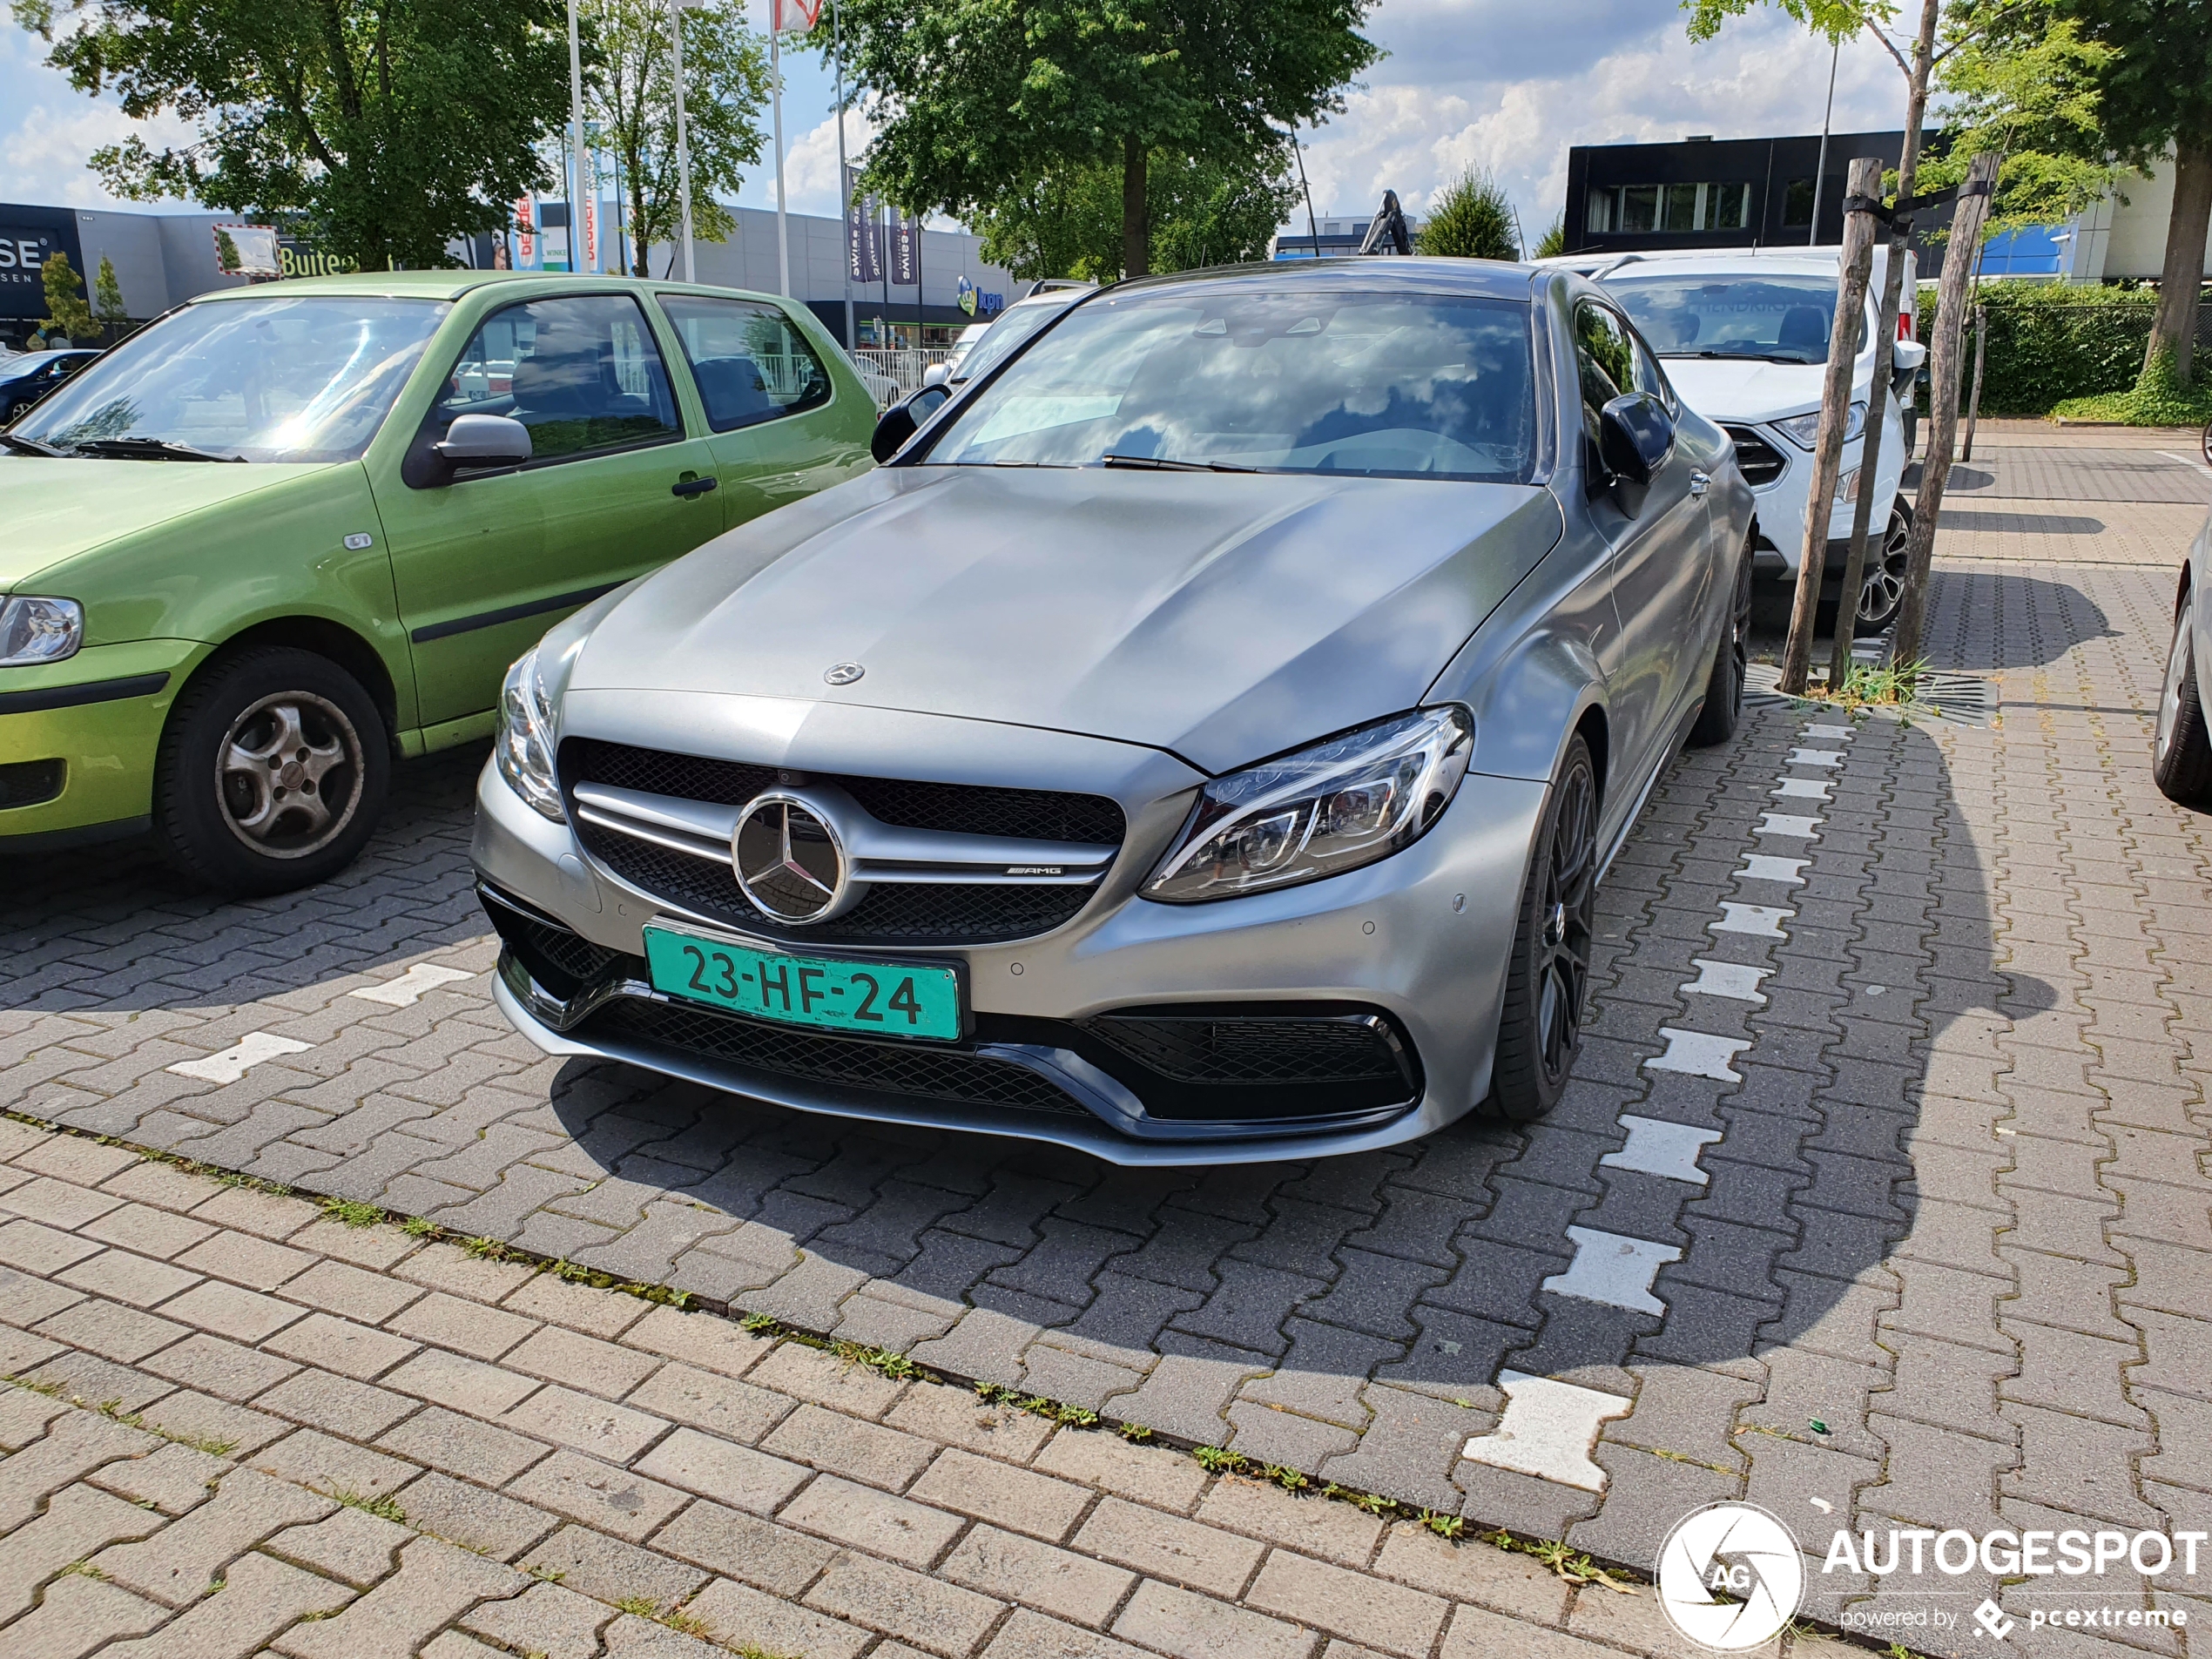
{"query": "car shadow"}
pixel 1981 619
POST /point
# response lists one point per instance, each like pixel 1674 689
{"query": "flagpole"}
pixel 576 141
pixel 683 140
pixel 776 93
pixel 843 184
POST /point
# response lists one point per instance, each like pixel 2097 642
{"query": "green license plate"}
pixel 877 999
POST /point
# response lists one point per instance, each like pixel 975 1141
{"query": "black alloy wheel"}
pixel 2181 758
pixel 272 772
pixel 1547 981
pixel 1881 580
pixel 1724 709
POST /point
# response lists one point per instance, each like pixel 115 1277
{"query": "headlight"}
pixel 1803 429
pixel 1335 807
pixel 525 747
pixel 39 631
pixel 1847 488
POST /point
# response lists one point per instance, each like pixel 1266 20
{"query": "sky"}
pixel 1502 84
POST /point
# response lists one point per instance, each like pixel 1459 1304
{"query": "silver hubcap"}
pixel 1881 583
pixel 2177 674
pixel 288 774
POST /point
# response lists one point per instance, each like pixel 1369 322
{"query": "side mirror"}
pixel 484 440
pixel 1635 436
pixel 1908 355
pixel 902 419
pixel 935 375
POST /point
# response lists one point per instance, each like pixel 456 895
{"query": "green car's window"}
pixel 751 364
pixel 266 378
pixel 582 374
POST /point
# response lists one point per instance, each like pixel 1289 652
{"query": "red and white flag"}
pixel 796 15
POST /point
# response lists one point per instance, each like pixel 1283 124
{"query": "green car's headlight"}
pixel 39 631
pixel 524 752
pixel 1333 807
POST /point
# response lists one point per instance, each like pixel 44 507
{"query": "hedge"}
pixel 2048 342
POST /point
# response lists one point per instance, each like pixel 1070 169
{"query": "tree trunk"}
pixel 2183 273
pixel 1136 233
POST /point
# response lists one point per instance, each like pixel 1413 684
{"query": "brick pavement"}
pixel 1888 1121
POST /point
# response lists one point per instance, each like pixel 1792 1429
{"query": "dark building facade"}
pixel 1722 192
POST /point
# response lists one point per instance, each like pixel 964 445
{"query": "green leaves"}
pixel 1472 219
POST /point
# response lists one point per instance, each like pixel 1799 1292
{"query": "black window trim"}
pixel 420 445
pixel 660 300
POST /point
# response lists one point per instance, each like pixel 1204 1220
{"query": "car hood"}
pixel 1221 617
pixel 55 508
pixel 1750 390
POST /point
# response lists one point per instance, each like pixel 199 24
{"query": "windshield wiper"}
pixel 1155 464
pixel 29 446
pixel 1728 356
pixel 148 449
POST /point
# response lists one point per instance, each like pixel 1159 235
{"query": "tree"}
pixel 1554 240
pixel 979 101
pixel 389 127
pixel 66 312
pixel 1069 223
pixel 629 103
pixel 1471 219
pixel 107 298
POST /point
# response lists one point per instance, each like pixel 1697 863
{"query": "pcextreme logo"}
pixel 1730 1576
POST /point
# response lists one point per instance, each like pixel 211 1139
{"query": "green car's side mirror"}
pixel 483 441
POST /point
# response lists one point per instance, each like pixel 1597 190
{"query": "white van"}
pixel 1743 333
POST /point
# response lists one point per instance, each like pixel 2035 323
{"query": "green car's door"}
pixel 483 565
pixel 780 430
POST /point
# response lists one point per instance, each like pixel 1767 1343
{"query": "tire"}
pixel 1881 586
pixel 2180 761
pixel 1717 720
pixel 1547 983
pixel 271 773
pixel 15 411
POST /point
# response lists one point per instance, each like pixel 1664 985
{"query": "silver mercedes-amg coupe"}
pixel 1201 740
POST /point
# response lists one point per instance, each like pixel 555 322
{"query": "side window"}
pixel 1648 377
pixel 582 374
pixel 751 363
pixel 1604 361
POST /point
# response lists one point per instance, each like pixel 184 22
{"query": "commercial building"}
pixel 163 259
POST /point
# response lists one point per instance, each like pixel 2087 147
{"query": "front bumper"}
pixel 1781 504
pixel 1418 942
pixel 77 740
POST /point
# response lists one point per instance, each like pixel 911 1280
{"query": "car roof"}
pixel 1494 279
pixel 453 284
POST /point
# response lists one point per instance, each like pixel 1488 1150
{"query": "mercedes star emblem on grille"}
pixel 843 673
pixel 789 860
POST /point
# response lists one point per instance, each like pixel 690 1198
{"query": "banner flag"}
pixel 863 232
pixel 906 250
pixel 795 14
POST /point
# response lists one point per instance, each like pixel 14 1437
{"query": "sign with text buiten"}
pixel 29 237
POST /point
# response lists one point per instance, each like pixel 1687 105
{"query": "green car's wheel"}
pixel 1548 980
pixel 272 772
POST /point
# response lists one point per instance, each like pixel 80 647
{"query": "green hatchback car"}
pixel 292 532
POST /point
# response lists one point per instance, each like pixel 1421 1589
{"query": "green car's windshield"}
pixel 1781 318
pixel 270 378
pixel 1250 379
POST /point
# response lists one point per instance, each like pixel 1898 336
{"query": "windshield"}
pixel 1299 380
pixel 999 340
pixel 1783 318
pixel 258 379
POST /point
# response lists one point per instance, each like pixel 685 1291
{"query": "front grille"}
pixel 913 1072
pixel 561 961
pixel 894 913
pixel 28 783
pixel 1238 1050
pixel 1761 462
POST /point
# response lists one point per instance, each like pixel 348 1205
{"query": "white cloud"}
pixel 49 129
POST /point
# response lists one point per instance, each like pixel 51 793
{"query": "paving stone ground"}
pixel 1879 1183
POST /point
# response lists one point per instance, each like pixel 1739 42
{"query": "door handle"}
pixel 688 487
pixel 1700 482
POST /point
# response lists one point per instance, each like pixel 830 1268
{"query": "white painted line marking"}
pixel 1819 730
pixel 235 1062
pixel 1761 866
pixel 1787 824
pixel 1657 1147
pixel 1547 1431
pixel 1736 980
pixel 1760 920
pixel 1613 1269
pixel 1803 788
pixel 1816 758
pixel 1695 1055
pixel 2191 461
pixel 406 990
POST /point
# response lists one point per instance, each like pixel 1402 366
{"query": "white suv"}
pixel 1744 336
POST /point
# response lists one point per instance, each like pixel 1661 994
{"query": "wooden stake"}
pixel 1943 402
pixel 1865 182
